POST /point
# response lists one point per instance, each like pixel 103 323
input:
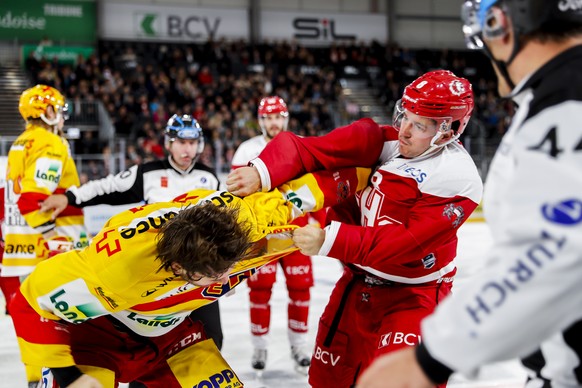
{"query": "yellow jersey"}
pixel 118 273
pixel 39 164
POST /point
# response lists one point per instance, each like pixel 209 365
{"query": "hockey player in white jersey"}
pixel 528 303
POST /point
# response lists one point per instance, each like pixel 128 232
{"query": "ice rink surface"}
pixel 474 240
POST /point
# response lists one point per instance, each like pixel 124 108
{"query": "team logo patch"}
pixel 384 340
pixel 567 212
pixel 48 173
pixel 457 88
pixel 399 338
pixel 456 214
pixel 429 261
pixel 343 191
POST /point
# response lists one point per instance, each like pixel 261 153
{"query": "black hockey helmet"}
pixel 526 17
pixel 185 127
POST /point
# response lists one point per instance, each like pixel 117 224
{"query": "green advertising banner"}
pixel 64 54
pixel 59 21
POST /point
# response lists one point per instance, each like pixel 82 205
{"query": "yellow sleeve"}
pixel 308 193
pixel 39 165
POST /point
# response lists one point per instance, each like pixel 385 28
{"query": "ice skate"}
pixel 259 361
pixel 302 359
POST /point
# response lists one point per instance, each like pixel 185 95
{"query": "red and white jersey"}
pixel 409 213
pixel 247 151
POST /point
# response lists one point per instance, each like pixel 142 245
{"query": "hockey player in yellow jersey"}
pixel 117 310
pixel 39 164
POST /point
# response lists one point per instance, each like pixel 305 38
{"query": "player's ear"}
pixel 176 268
pixel 445 137
pixel 50 112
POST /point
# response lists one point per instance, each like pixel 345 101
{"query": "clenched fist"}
pixel 243 181
pixel 309 239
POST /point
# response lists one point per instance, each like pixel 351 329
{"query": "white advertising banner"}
pixel 324 28
pixel 171 23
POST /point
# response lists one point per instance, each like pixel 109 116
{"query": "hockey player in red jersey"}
pixel 532 205
pixel 398 236
pixel 273 117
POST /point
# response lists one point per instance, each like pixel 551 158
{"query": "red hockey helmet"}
pixel 440 94
pixel 273 104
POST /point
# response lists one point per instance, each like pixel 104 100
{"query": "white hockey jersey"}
pixel 248 150
pixel 156 181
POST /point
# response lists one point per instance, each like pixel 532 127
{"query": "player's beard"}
pixel 268 132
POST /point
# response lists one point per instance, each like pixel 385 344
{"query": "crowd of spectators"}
pixel 220 83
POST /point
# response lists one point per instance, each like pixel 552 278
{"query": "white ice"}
pixel 474 239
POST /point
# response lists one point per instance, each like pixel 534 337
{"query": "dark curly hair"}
pixel 203 239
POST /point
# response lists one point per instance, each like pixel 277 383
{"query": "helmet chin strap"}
pixel 433 147
pixel 53 123
pixel 438 136
pixel 502 66
pixel 440 132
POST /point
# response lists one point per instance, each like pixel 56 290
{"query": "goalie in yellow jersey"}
pixel 117 311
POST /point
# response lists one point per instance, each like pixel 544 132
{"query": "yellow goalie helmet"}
pixel 35 101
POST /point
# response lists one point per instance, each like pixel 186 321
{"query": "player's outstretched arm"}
pixel 56 202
